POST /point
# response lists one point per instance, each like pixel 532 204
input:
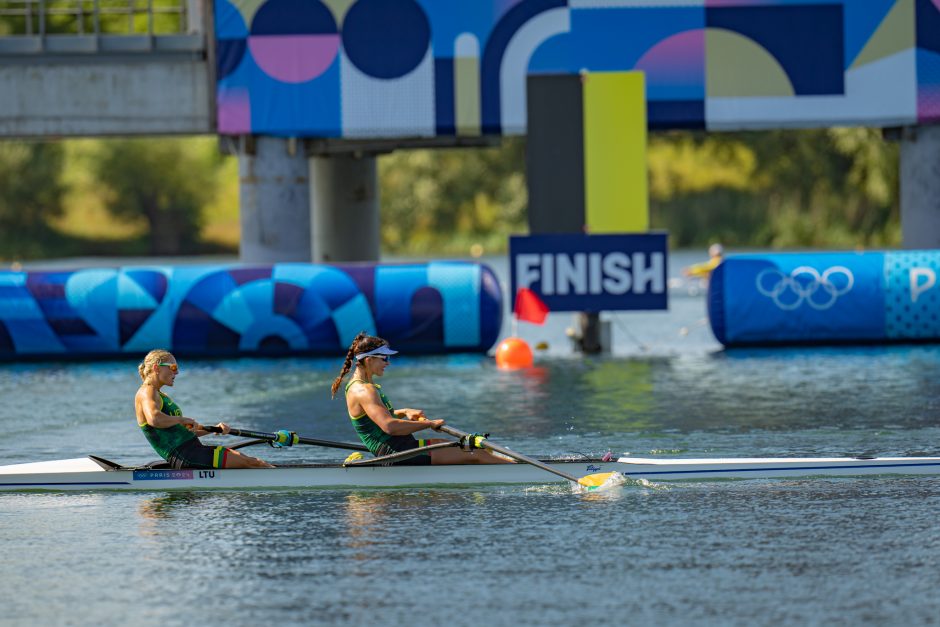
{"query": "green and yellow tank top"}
pixel 165 441
pixel 370 433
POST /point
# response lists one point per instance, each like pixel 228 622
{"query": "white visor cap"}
pixel 375 352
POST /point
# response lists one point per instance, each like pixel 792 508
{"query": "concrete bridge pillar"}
pixel 296 207
pixel 920 187
pixel 345 202
pixel 274 194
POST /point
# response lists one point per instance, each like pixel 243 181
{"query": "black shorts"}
pixel 195 454
pixel 400 445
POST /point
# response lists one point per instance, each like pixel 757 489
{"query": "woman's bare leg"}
pixel 460 456
pixel 234 459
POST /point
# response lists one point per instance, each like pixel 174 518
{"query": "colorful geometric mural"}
pixel 233 310
pixel 422 68
pixel 928 59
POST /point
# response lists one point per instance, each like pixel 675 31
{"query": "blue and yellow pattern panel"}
pixel 290 308
pixel 826 298
pixel 425 68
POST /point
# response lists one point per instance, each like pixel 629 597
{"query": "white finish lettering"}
pixel 594 274
pixel 571 274
pixel 548 275
pixel 527 271
pixel 651 275
pixel 617 273
pixel 918 286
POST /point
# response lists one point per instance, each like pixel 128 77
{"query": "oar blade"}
pixel 600 481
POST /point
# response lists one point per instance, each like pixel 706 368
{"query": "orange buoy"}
pixel 513 352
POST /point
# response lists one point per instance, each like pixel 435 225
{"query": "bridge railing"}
pixel 77 26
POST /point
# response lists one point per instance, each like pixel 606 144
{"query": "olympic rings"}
pixel 805 284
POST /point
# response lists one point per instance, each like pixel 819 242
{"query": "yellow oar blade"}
pixel 601 480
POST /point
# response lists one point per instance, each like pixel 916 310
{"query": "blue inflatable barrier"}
pixel 826 298
pixel 290 308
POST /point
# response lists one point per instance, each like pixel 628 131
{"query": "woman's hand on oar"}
pixel 590 482
pixel 287 438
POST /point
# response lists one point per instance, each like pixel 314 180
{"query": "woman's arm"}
pixel 368 398
pixel 407 413
pixel 157 419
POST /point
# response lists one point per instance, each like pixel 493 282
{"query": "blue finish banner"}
pixel 592 272
pixel 289 308
pixel 826 298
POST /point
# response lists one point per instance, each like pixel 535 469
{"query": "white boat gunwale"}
pixel 93 472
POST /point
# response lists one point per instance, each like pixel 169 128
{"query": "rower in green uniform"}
pixel 383 429
pixel 173 436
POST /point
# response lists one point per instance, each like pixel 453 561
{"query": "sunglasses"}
pixel 382 357
pixel 172 367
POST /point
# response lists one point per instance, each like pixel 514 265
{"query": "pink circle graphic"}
pixel 294 58
pixel 676 60
pixel 234 111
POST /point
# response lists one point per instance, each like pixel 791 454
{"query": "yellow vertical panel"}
pixel 616 189
pixel 467 96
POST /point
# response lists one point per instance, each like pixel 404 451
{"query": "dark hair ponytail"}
pixel 361 343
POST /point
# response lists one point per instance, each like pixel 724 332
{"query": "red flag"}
pixel 529 307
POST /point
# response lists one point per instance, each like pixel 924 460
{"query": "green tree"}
pixel 449 200
pixel 31 192
pixel 166 181
pixel 86 17
pixel 813 188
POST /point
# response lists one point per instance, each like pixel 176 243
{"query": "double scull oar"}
pixel 287 438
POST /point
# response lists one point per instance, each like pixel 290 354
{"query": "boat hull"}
pixel 87 474
pixel 84 476
pixel 773 468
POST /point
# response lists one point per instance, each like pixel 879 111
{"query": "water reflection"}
pixel 389 523
pixel 155 512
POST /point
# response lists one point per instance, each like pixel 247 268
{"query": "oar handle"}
pixel 245 433
pixel 457 433
pixel 273 437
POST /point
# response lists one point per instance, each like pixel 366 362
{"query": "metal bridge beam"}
pixel 133 93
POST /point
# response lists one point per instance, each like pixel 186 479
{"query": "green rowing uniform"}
pixel 180 446
pixel 377 441
pixel 166 441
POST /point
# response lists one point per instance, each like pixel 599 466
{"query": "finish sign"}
pixel 592 272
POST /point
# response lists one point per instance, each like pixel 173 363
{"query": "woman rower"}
pixel 385 430
pixel 703 270
pixel 171 434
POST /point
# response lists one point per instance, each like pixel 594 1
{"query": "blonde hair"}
pixel 361 343
pixel 154 357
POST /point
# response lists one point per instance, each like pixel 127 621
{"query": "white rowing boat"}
pixel 94 473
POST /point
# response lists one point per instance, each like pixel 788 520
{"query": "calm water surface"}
pixel 841 551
